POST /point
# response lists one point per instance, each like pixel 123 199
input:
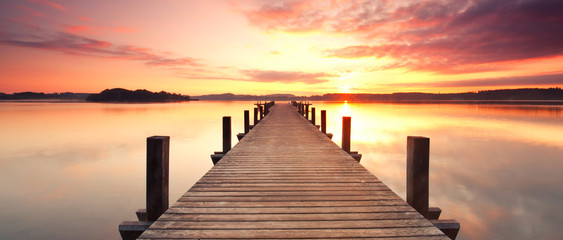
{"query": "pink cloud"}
pixel 86 19
pixel 49 4
pixel 286 76
pixel 77 29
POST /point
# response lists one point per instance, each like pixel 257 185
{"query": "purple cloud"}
pixel 79 45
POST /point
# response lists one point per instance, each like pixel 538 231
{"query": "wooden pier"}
pixel 286 179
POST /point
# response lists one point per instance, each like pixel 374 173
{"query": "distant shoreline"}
pixel 467 102
pixel 530 96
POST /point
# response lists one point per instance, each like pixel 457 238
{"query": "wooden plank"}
pixel 288 198
pixel 290 217
pixel 286 210
pixel 294 233
pixel 286 193
pixel 258 204
pixel 284 189
pixel 290 224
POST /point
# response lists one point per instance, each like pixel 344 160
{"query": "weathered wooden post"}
pixel 255 116
pixel 246 121
pixel 346 129
pixel 157 176
pixel 418 165
pixel 158 148
pixel 313 120
pixel 418 153
pixel 307 111
pixel 226 134
pixel 323 121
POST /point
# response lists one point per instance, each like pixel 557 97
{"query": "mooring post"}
pixel 346 129
pixel 226 134
pixel 418 153
pixel 323 121
pixel 255 116
pixel 157 176
pixel 307 111
pixel 246 121
pixel 313 120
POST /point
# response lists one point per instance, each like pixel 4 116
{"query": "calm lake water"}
pixel 76 170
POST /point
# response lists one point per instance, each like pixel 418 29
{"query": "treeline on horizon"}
pixel 503 95
pixel 40 95
pixel 124 95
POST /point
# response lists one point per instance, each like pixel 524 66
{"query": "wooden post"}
pixel 323 121
pixel 261 110
pixel 226 134
pixel 346 129
pixel 157 176
pixel 255 116
pixel 246 121
pixel 418 152
pixel 313 120
pixel 307 111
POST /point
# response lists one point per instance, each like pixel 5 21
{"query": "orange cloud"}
pixel 438 36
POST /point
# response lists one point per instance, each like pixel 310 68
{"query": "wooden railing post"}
pixel 313 120
pixel 255 116
pixel 226 134
pixel 323 121
pixel 246 121
pixel 346 129
pixel 418 152
pixel 157 176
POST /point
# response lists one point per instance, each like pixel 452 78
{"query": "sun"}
pixel 344 89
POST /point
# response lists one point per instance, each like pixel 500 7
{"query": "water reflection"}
pixel 494 168
pixel 76 170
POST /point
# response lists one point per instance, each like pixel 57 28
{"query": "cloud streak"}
pixel 435 35
pixel 517 81
pixel 83 46
pixel 286 76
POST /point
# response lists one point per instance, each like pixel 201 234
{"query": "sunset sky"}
pixel 301 47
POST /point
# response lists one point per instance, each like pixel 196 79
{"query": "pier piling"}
pixel 246 121
pixel 313 120
pixel 418 152
pixel 346 128
pixel 226 134
pixel 157 176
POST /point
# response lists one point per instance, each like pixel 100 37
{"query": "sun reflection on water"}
pixel 494 168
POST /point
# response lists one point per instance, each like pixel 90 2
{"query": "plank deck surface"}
pixel 287 180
